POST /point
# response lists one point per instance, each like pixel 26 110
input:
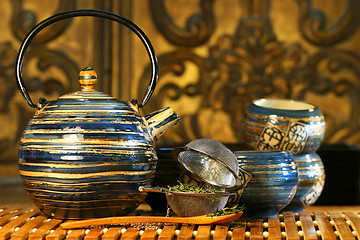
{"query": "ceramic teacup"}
pixel 283 125
pixel 273 182
pixel 311 181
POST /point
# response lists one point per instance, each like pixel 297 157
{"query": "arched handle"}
pixel 87 12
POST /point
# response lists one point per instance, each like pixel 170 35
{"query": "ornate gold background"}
pixel 214 58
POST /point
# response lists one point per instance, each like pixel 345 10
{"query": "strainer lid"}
pixel 215 149
pixel 209 167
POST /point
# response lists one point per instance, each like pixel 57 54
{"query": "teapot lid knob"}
pixel 87 79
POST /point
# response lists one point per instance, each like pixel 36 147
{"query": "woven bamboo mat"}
pixel 21 224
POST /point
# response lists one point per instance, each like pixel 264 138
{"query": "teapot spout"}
pixel 160 121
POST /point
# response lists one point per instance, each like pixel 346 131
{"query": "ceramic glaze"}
pixel 86 154
pixel 311 181
pixel 283 125
pixel 273 182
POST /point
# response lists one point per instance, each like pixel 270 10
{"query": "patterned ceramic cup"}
pixel 283 125
pixel 273 182
pixel 311 181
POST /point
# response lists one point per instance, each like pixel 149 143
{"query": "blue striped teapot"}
pixel 85 154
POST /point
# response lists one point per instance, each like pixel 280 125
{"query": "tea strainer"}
pixel 212 162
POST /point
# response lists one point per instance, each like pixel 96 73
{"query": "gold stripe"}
pixel 270 172
pixel 124 199
pixel 313 168
pixel 65 97
pixel 274 166
pixel 86 111
pixel 75 184
pixel 311 160
pixel 78 165
pixel 79 120
pixel 71 146
pixel 75 131
pixel 116 104
pixel 88 141
pixel 280 118
pixel 47 191
pixel 71 206
pixel 77 150
pixel 82 176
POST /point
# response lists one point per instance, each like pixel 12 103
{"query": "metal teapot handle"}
pixel 87 12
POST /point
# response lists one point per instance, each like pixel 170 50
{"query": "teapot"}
pixel 85 154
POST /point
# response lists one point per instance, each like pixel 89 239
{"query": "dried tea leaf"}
pixel 228 210
pixel 191 188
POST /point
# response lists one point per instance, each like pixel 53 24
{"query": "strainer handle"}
pixel 151 189
pixel 86 12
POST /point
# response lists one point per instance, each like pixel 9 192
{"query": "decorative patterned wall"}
pixel 214 58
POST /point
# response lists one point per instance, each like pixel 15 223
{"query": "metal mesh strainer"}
pixel 216 150
pixel 196 204
pixel 189 204
pixel 212 162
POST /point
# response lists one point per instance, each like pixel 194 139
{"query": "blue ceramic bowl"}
pixel 311 181
pixel 283 125
pixel 273 183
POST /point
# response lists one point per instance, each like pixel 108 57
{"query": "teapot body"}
pixel 85 156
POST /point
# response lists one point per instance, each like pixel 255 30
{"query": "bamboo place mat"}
pixel 22 224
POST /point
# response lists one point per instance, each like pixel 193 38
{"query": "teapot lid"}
pixel 87 79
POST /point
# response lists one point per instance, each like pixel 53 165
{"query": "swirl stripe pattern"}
pixel 85 155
